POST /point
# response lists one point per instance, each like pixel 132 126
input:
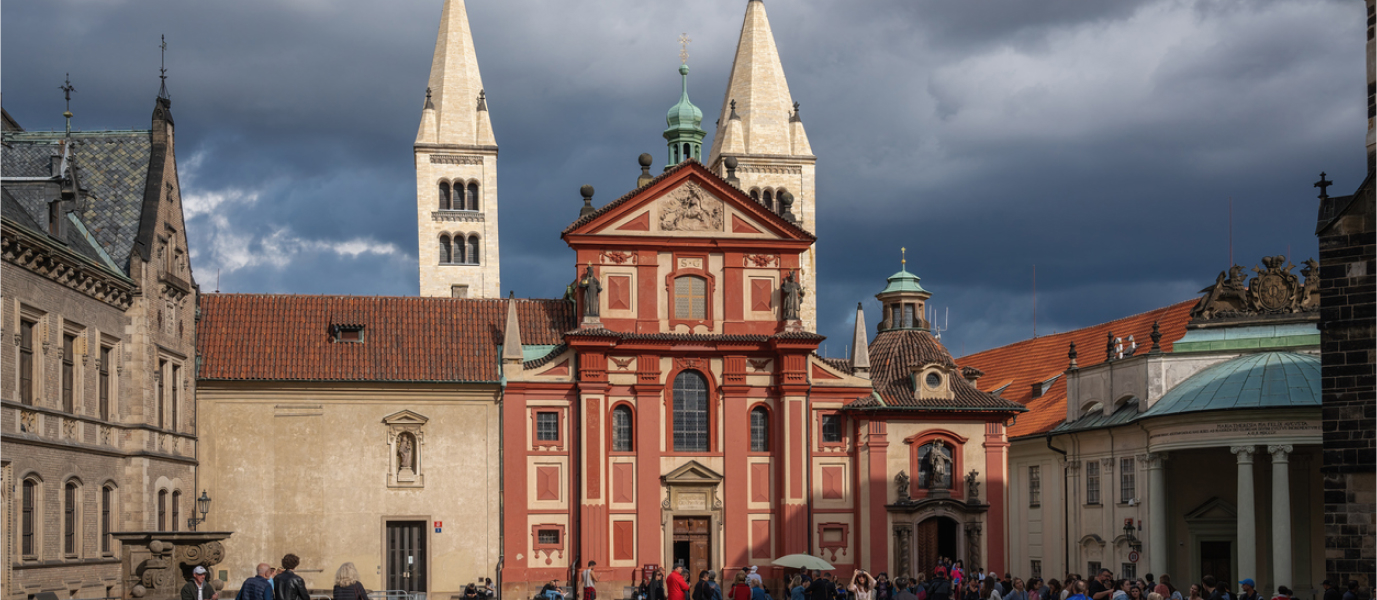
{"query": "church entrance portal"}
pixel 692 543
pixel 935 537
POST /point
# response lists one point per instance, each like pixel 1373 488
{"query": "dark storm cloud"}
pixel 1100 141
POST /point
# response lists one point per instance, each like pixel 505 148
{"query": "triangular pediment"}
pixel 405 417
pixel 1214 509
pixel 692 472
pixel 689 201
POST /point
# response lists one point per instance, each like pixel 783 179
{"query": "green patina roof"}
pixel 1262 380
pixel 684 119
pixel 903 281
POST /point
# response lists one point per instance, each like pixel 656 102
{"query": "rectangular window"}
pixel 831 429
pixel 176 384
pixel 547 427
pixel 1130 571
pixel 176 509
pixel 159 397
pixel 458 291
pixel 908 315
pixel 162 510
pixel 548 537
pixel 69 519
pixel 1093 570
pixel 105 499
pixel 26 364
pixel 27 526
pixel 104 383
pixel 1034 485
pixel 1127 485
pixel 68 372
pixel 894 319
pixel 690 298
pixel 1035 568
pixel 1092 482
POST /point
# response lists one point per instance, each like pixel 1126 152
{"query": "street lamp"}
pixel 202 506
pixel 1129 531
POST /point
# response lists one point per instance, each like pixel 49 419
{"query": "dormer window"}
pixel 933 381
pixel 349 333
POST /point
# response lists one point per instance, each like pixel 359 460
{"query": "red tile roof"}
pixel 1022 364
pixel 288 337
pixel 891 355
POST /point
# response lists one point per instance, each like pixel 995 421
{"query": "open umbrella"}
pixel 803 561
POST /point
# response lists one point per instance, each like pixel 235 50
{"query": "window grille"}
pixel 1092 482
pixel 621 429
pixel 1130 570
pixel 690 297
pixel 547 536
pixel 105 500
pixel 831 429
pixel 690 412
pixel 1127 484
pixel 1093 570
pixel 760 430
pixel 547 427
pixel 28 524
pixel 162 510
pixel 1034 485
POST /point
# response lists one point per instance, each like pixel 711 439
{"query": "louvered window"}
pixel 445 256
pixel 473 250
pixel 690 297
pixel 444 196
pixel 690 412
pixel 105 383
pixel 472 196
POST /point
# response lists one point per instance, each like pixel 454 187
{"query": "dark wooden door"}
pixel 692 541
pixel 406 556
pixel 925 541
pixel 1216 558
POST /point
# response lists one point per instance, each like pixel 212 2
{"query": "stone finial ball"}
pixel 138 591
pixel 587 191
pixel 646 159
pixel 156 546
pixel 730 162
pixel 786 198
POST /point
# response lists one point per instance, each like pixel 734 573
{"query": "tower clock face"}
pixel 934 380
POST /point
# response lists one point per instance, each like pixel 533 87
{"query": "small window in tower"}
pixel 908 315
pixel 444 196
pixel 769 200
pixel 894 316
pixel 444 250
pixel 459 291
pixel 473 249
pixel 472 203
pixel 461 250
pixel 688 152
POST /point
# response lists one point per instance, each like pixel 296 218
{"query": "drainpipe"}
pixel 1065 505
pixel 501 484
pixel 808 458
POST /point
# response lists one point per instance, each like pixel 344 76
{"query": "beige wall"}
pixel 304 468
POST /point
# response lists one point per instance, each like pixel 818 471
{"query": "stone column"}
pixel 1247 511
pixel 1157 513
pixel 1281 516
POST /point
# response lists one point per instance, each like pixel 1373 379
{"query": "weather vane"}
pixel 67 90
pixel 162 69
pixel 683 47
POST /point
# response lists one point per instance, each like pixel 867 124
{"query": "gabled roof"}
pixel 893 353
pixel 671 179
pixel 288 337
pixel 1033 361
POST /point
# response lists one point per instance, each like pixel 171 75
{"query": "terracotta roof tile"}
pixel 287 337
pixel 891 355
pixel 1034 361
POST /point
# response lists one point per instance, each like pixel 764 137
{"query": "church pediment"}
pixel 1214 509
pixel 405 417
pixel 692 473
pixel 688 201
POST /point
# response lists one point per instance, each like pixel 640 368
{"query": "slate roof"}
pixel 112 167
pixel 75 237
pixel 894 351
pixel 288 338
pixel 1019 365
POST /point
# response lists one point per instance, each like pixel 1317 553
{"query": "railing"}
pixel 396 595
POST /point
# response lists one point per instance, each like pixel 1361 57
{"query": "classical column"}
pixel 1157 513
pixel 1281 516
pixel 1247 510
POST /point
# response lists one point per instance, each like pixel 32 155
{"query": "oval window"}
pixel 934 380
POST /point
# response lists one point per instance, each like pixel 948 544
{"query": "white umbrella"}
pixel 803 561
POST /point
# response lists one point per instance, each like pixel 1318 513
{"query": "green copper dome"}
pixel 685 132
pixel 903 281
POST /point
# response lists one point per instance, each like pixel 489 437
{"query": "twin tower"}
pixel 456 155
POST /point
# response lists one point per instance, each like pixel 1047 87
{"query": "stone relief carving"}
pixel 690 208
pixel 28 421
pixel 690 263
pixel 761 260
pixel 618 257
pixel 973 530
pixel 69 428
pixel 1274 289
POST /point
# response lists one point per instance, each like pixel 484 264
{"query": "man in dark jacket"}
pixel 902 585
pixel 257 587
pixel 1331 591
pixel 940 587
pixel 1214 590
pixel 821 589
pixel 288 585
pixel 197 588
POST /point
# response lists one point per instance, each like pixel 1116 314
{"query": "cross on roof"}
pixel 67 90
pixel 162 69
pixel 683 47
pixel 903 256
pixel 1323 184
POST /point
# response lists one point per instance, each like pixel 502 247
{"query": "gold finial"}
pixel 903 256
pixel 683 48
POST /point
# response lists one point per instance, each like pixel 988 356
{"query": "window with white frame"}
pixel 1092 482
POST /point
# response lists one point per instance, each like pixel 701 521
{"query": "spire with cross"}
pixel 683 48
pixel 1323 184
pixel 67 90
pixel 162 70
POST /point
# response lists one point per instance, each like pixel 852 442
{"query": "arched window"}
pixel 755 195
pixel 935 465
pixel 29 522
pixel 162 510
pixel 444 195
pixel 760 429
pixel 176 509
pixel 769 200
pixel 69 518
pixel 688 152
pixel 622 433
pixel 690 412
pixel 473 250
pixel 107 501
pixel 445 256
pixel 473 195
pixel 690 297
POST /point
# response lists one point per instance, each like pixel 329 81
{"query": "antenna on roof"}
pixel 1035 300
pixel 217 280
pixel 1231 231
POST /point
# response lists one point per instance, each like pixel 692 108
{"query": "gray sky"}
pixel 1101 141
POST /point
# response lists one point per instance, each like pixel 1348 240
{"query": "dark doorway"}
pixel 1216 558
pixel 692 543
pixel 406 556
pixel 936 537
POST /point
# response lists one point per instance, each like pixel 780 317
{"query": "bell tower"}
pixel 456 171
pixel 760 126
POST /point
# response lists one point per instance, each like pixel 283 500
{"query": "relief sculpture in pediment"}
pixel 690 208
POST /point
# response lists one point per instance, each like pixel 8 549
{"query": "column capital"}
pixel 1154 460
pixel 1279 452
pixel 1245 453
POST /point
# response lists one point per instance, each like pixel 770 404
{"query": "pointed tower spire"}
pixel 860 346
pixel 455 82
pixel 511 339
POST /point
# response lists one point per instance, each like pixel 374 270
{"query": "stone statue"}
pixel 792 291
pixel 973 486
pixel 938 464
pixel 1310 291
pixel 973 547
pixel 901 486
pixel 404 452
pixel 591 288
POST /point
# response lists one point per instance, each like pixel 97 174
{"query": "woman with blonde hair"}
pixel 796 588
pixel 347 586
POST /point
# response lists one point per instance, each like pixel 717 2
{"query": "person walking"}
pixel 1249 590
pixel 257 587
pixel 1331 591
pixel 588 580
pixel 820 589
pixel 1283 593
pixel 740 589
pixel 197 588
pixel 676 586
pixel 287 585
pixel 797 590
pixel 347 586
pixel 1352 593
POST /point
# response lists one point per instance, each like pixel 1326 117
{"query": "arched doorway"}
pixel 935 537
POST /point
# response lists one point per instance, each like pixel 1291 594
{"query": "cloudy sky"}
pixel 1100 141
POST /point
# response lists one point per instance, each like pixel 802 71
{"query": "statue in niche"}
pixel 939 465
pixel 404 452
pixel 901 482
pixel 591 288
pixel 973 486
pixel 792 291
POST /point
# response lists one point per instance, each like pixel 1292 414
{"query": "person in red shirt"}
pixel 740 589
pixel 676 585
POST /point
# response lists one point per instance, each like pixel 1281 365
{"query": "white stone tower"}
pixel 761 127
pixel 456 171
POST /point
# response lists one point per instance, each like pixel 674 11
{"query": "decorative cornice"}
pixel 60 266
pixel 457 216
pixel 455 159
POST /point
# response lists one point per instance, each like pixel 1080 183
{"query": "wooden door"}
pixel 1216 558
pixel 406 556
pixel 925 543
pixel 696 533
